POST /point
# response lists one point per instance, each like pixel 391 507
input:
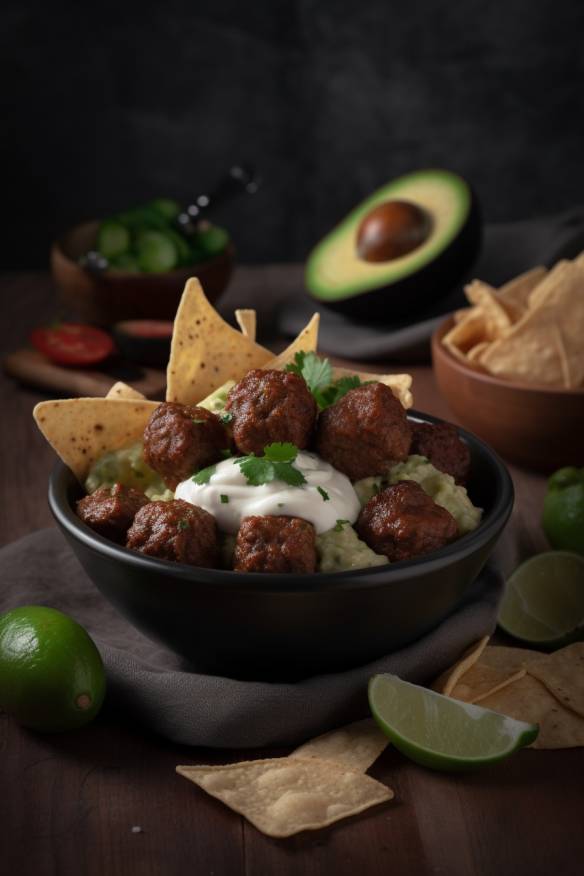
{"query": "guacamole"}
pixel 341 548
pixel 126 466
pixel 217 400
pixel 441 487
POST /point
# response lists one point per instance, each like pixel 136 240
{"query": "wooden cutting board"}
pixel 32 368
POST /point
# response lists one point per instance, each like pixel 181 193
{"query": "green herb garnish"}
pixel 318 374
pixel 274 465
pixel 226 417
pixel 205 475
pixel 324 494
pixel 338 527
pixel 183 524
pixel 224 499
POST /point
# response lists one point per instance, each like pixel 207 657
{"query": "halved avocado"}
pixel 345 273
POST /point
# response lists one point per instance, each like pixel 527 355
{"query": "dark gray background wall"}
pixel 111 104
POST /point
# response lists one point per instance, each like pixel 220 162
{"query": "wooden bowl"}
pixel 117 295
pixel 533 425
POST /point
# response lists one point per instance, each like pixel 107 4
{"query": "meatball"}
pixel 270 406
pixel 181 439
pixel 275 544
pixel 404 522
pixel 110 510
pixel 364 433
pixel 442 446
pixel 177 531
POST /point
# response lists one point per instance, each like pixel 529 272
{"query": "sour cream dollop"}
pixel 229 497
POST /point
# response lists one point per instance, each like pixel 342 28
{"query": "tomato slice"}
pixel 71 343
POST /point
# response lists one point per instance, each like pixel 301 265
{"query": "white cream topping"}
pixel 241 499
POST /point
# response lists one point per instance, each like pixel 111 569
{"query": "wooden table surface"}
pixel 106 800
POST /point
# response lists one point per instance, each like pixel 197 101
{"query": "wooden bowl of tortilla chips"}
pixel 511 366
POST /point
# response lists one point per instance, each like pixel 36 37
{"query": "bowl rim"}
pixel 61 479
pixel 57 248
pixel 438 349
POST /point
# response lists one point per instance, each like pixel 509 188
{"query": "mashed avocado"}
pixel 217 400
pixel 341 549
pixel 441 487
pixel 366 488
pixel 126 466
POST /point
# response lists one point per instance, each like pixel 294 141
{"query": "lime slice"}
pixel 441 733
pixel 544 600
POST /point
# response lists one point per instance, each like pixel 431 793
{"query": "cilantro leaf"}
pixel 224 499
pixel 285 471
pixel 225 417
pixel 275 464
pixel 324 494
pixel 205 475
pixel 183 524
pixel 281 452
pixel 317 372
pixel 338 527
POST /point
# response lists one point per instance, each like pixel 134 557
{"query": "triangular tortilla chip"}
pixel 247 322
pixel 206 351
pixel 518 290
pixel 563 674
pixel 398 383
pixel 529 700
pixel 499 315
pixel 549 284
pixel 507 659
pixel 356 745
pixel 282 796
pixel 80 430
pixel 122 390
pixel 466 334
pixel 446 682
pixel 481 681
pixel 307 341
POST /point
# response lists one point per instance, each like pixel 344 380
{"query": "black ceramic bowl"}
pixel 277 626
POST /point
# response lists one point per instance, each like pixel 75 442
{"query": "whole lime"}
pixel 51 674
pixel 563 510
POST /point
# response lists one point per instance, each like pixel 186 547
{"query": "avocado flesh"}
pixel 336 276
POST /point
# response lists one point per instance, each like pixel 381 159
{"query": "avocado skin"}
pixel 421 290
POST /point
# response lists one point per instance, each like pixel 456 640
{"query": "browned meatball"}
pixel 110 510
pixel 441 445
pixel 177 531
pixel 275 544
pixel 364 433
pixel 181 439
pixel 403 522
pixel 270 406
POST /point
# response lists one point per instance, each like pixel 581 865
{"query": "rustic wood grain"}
pixel 68 802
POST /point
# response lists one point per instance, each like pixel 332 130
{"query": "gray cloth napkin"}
pixel 508 250
pixel 163 693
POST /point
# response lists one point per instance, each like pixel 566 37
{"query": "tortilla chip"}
pixel 247 322
pixel 518 290
pixel 283 796
pixel 498 314
pixel 356 746
pixel 205 350
pixel 507 659
pixel 545 346
pixel 307 340
pixel 466 334
pixel 398 383
pixel 529 700
pixel 122 390
pixel 475 353
pixel 446 682
pixel 81 430
pixel 481 681
pixel 563 675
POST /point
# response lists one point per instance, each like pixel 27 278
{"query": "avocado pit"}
pixel 392 229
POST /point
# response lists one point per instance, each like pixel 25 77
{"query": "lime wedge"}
pixel 544 600
pixel 441 733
